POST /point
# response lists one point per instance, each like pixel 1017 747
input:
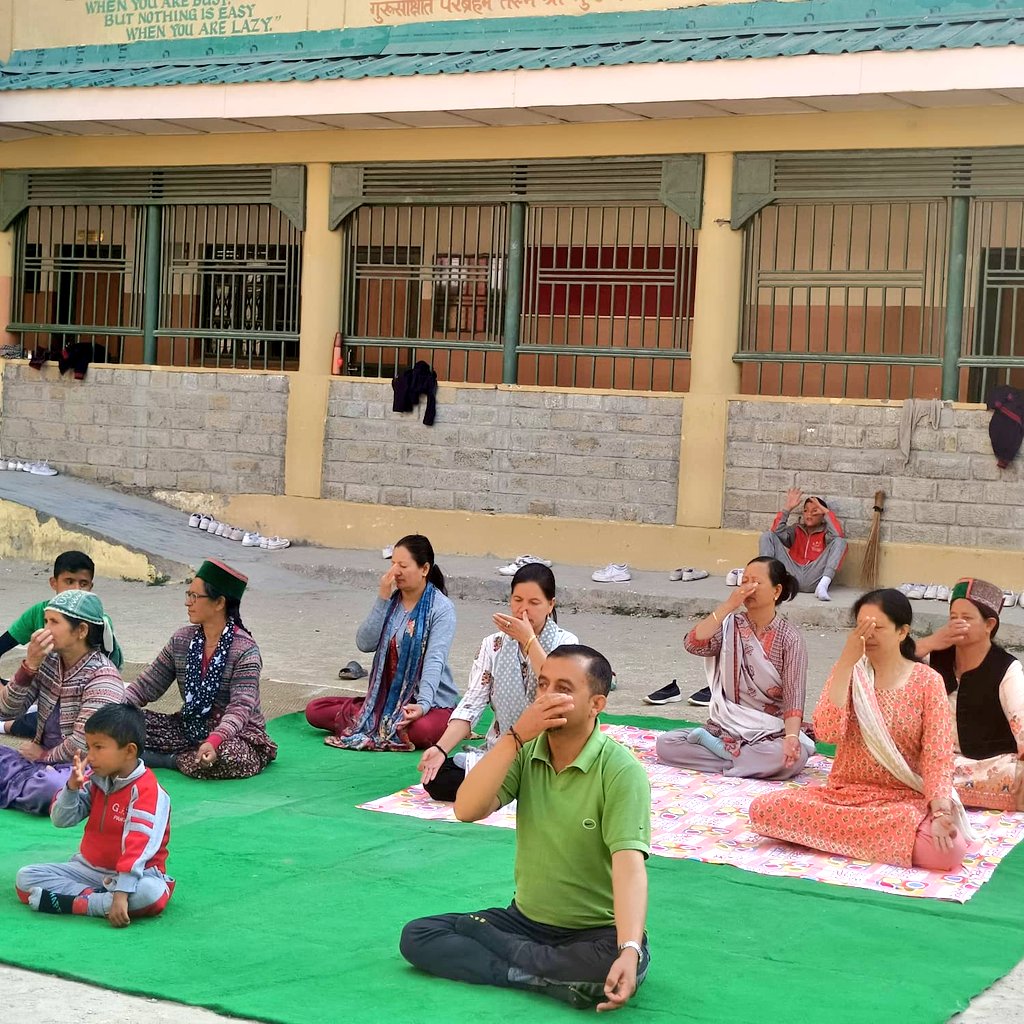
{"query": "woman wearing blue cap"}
pixel 66 672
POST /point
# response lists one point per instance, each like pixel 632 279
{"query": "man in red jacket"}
pixel 119 871
pixel 813 549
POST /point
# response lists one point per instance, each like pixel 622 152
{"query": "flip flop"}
pixel 353 670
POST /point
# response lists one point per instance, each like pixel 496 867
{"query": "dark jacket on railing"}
pixel 409 386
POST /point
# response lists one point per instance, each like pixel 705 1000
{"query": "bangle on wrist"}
pixel 515 736
pixel 529 644
pixel 714 616
pixel 437 746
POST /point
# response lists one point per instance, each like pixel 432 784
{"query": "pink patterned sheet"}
pixel 704 817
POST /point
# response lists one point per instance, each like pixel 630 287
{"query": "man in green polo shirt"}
pixel 575 930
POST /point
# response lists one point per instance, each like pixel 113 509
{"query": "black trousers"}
pixel 24 727
pixel 445 784
pixel 501 946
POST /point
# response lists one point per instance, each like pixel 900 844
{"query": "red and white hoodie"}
pixel 129 824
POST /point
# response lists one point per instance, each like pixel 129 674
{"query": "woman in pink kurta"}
pixel 863 811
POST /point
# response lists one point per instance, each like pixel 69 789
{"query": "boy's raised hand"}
pixel 77 778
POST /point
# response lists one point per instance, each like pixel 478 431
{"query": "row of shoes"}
pixel 249 539
pixel 42 468
pixel 517 563
pixel 924 591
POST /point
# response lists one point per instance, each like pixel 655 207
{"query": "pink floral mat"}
pixel 704 817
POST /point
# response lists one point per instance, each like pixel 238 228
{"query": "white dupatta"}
pixel 883 749
pixel 751 664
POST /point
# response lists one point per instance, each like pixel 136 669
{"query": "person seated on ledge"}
pixel 503 677
pixel 756 663
pixel 575 930
pixel 220 731
pixel 67 673
pixel 889 797
pixel 410 693
pixel 986 690
pixel 72 570
pixel 813 549
pixel 119 871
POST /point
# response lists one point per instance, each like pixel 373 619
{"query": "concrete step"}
pixel 144 527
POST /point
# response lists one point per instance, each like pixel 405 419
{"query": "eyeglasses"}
pixel 191 597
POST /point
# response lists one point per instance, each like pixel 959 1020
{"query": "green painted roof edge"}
pixel 490 34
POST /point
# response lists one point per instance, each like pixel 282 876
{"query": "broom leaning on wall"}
pixel 869 568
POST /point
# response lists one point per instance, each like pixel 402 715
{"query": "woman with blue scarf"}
pixel 411 693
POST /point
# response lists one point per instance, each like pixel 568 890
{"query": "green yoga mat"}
pixel 290 901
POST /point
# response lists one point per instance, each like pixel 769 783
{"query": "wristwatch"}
pixel 630 944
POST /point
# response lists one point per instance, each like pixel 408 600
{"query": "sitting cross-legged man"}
pixel 575 931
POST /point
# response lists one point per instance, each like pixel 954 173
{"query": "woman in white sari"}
pixel 756 662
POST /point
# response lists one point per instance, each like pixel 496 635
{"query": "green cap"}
pixel 228 581
pixel 79 604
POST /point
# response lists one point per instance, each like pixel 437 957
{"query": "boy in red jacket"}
pixel 118 872
pixel 813 549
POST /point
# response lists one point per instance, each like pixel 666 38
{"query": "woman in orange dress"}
pixel 889 797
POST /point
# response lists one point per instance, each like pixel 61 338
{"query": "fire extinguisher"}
pixel 336 364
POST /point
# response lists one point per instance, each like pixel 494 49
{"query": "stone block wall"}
pixel 950 493
pixel 586 456
pixel 151 429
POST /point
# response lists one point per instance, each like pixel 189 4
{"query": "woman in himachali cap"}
pixel 66 672
pixel 220 731
pixel 986 688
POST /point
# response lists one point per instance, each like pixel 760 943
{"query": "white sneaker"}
pixel 278 543
pixel 194 520
pixel 235 534
pixel 222 528
pixel 251 540
pixel 942 594
pixel 204 522
pixel 264 543
pixel 916 591
pixel 689 575
pixel 733 577
pixel 931 592
pixel 1021 600
pixel 616 572
pixel 513 567
pixel 388 551
pixel 1009 598
pixel 905 589
pixel 211 526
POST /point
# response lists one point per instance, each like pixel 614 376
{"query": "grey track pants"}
pixel 807 576
pixel 74 877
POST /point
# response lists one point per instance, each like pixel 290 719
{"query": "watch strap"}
pixel 630 944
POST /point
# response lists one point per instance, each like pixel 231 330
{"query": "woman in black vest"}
pixel 986 688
